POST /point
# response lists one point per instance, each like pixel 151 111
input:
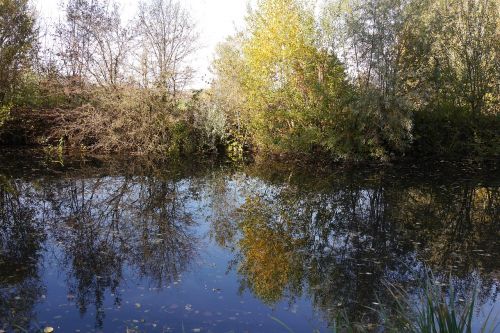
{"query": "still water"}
pixel 117 246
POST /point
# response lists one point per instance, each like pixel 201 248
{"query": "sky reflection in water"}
pixel 110 246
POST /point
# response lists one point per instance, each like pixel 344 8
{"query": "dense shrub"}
pixel 456 133
pixel 135 120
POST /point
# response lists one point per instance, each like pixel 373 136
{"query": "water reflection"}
pixel 21 239
pixel 342 242
pixel 102 224
pixel 335 239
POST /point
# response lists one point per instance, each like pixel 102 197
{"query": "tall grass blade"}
pixel 281 323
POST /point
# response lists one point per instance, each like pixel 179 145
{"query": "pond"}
pixel 90 245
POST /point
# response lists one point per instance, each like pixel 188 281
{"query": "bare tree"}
pixel 168 37
pixel 74 37
pixel 110 49
pixel 93 44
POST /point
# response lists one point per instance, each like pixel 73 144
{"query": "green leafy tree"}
pixel 450 55
pixel 293 88
pixel 17 42
pixel 226 93
pixel 365 35
pixel 289 88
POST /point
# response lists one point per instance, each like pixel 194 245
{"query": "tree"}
pixel 18 39
pixel 226 88
pixel 366 35
pixel 94 43
pixel 293 90
pixel 168 37
pixel 450 55
pixel 111 47
pixel 74 37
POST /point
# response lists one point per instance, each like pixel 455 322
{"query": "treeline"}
pixel 103 84
pixel 352 79
pixel 365 78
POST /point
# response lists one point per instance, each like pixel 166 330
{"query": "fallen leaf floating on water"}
pixel 48 329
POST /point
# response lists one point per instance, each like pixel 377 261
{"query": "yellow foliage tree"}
pixel 293 88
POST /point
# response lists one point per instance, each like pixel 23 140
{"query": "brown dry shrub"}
pixel 131 120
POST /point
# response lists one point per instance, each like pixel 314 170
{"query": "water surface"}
pixel 106 246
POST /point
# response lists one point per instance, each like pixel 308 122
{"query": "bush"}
pixel 137 121
pixel 451 132
pixel 4 113
pixel 45 91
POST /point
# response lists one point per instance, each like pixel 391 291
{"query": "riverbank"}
pixel 88 130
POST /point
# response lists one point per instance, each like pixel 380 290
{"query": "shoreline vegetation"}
pixel 353 80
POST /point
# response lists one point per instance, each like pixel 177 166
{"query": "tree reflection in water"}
pixel 21 237
pixel 105 223
pixel 101 224
pixel 343 241
pixel 337 238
